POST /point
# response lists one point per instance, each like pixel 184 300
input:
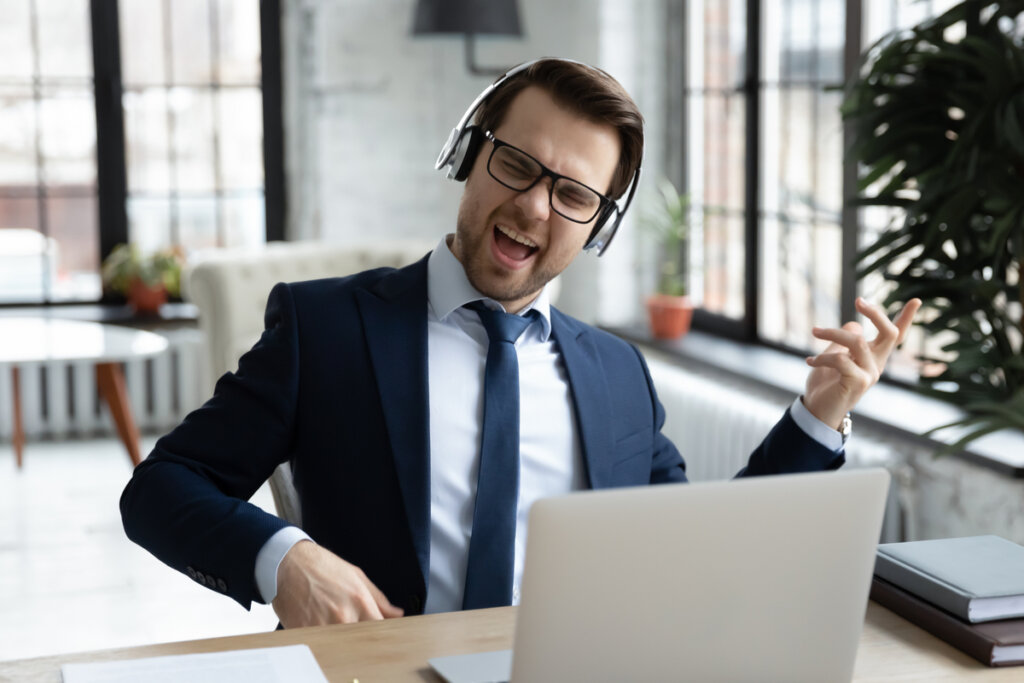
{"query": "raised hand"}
pixel 851 365
pixel 316 587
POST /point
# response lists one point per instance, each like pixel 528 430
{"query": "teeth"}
pixel 517 237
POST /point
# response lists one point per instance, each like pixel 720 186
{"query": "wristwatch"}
pixel 846 427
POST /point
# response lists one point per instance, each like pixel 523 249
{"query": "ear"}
pixel 465 153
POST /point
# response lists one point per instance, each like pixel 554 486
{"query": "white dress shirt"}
pixel 551 458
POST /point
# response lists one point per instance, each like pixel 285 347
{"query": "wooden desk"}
pixel 891 649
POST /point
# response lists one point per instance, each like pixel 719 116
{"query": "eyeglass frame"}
pixel 545 172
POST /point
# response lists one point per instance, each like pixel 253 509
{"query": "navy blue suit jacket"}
pixel 337 386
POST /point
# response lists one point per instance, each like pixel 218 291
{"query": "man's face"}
pixel 511 243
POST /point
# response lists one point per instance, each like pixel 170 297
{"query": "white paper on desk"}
pixel 292 663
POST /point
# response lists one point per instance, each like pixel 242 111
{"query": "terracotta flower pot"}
pixel 670 315
pixel 145 298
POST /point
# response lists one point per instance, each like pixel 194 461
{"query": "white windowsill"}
pixel 885 406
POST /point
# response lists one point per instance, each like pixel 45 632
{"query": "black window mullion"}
pixel 752 189
pixel 111 177
pixel 273 119
pixel 850 222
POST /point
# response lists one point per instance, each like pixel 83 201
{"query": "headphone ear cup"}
pixel 607 213
pixel 465 153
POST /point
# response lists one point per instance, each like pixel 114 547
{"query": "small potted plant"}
pixel 669 309
pixel 145 281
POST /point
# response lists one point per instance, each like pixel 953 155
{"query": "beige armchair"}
pixel 230 288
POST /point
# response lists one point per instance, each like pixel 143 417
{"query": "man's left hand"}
pixel 851 365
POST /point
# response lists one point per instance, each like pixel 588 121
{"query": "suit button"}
pixel 191 573
pixel 222 586
pixel 210 581
pixel 200 578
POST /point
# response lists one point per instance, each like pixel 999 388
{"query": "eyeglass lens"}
pixel 518 171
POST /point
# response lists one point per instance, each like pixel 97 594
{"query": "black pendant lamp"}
pixel 468 18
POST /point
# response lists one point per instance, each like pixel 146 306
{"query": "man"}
pixel 373 388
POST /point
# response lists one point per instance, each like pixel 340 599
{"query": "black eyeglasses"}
pixel 517 170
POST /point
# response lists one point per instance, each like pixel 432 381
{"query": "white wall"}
pixel 368 106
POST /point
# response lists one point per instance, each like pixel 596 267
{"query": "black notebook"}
pixel 995 643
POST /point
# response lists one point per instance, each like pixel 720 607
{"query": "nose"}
pixel 535 203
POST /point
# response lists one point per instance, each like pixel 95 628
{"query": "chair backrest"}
pixel 230 288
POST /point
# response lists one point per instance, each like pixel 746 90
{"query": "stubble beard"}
pixel 478 270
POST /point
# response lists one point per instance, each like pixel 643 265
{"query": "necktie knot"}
pixel 501 326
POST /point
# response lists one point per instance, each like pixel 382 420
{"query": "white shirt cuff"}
pixel 815 428
pixel 268 559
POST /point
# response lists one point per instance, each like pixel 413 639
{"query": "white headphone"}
pixel 463 144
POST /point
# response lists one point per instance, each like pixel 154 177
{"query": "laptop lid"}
pixel 761 579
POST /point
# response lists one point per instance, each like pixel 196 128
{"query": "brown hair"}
pixel 587 91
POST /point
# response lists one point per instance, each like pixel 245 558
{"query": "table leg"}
pixel 18 437
pixel 110 379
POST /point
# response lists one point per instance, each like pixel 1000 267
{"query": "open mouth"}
pixel 512 245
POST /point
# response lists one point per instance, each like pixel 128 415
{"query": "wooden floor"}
pixel 69 578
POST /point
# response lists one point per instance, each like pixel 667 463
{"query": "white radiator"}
pixel 716 423
pixel 61 400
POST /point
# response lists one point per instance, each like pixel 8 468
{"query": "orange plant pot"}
pixel 144 298
pixel 670 316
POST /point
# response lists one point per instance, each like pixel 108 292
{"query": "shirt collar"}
pixel 448 288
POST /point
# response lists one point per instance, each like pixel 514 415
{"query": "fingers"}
pixel 386 609
pixel 888 333
pixel 317 587
pixel 906 318
pixel 850 338
pixel 842 362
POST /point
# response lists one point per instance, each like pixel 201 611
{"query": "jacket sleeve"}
pixel 786 449
pixel 187 502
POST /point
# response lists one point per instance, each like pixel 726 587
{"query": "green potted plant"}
pixel 669 309
pixel 937 115
pixel 145 281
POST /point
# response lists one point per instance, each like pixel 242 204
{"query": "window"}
pixel 145 121
pixel 49 245
pixel 716 159
pixel 772 247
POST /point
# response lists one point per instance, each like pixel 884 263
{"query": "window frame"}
pixel 111 161
pixel 746 328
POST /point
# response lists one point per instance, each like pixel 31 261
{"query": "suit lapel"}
pixel 589 394
pixel 394 312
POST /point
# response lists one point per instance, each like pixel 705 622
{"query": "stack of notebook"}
pixel 967 591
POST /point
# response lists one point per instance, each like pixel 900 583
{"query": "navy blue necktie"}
pixel 492 544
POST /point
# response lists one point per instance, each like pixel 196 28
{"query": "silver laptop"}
pixel 761 579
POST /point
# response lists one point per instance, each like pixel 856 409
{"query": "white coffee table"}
pixel 28 342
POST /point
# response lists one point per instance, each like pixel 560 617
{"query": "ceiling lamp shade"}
pixel 468 18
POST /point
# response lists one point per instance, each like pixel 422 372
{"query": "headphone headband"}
pixel 448 151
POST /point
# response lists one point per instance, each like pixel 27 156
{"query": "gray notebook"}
pixel 977 578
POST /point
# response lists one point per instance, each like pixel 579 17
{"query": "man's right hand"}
pixel 316 587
